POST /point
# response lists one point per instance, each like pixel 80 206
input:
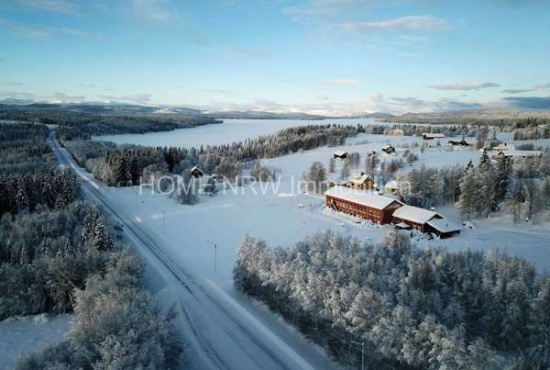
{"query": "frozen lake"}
pixel 232 130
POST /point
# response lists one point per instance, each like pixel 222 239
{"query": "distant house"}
pixel 392 187
pixel 366 205
pixel 340 154
pixel 517 154
pixel 430 136
pixel 396 132
pixel 388 149
pixel 504 146
pixel 426 221
pixel 462 143
pixel 196 172
pixel 362 182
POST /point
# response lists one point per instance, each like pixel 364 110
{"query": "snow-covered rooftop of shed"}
pixel 392 184
pixel 443 225
pixel 340 153
pixel 367 198
pixel 522 153
pixel 415 214
pixel 434 135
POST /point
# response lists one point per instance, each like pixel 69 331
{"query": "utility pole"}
pixel 362 344
pixel 215 255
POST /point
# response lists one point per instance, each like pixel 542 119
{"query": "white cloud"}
pixel 543 86
pixel 409 23
pixel 153 10
pixel 56 6
pixel 342 82
pixel 464 86
pixel 45 96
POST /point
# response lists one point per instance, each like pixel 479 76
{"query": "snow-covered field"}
pixel 283 215
pixel 22 335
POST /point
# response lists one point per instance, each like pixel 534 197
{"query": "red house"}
pixel 363 204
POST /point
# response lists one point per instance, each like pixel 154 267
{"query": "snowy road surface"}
pixel 221 331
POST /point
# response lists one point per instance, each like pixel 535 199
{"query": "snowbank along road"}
pixel 220 333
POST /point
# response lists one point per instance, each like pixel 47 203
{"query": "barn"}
pixel 388 149
pixel 340 154
pixel 426 221
pixel 366 205
pixel 459 143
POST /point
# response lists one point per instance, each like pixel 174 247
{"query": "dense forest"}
pixel 58 255
pixel 73 124
pixel 411 308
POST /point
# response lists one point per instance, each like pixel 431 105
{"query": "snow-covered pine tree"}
pixel 468 201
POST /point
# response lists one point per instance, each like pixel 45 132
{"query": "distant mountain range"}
pixel 112 108
pixel 132 109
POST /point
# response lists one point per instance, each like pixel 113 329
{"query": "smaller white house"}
pixel 392 187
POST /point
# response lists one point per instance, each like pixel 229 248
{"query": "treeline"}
pixel 514 185
pixel 412 308
pixel 418 130
pixel 135 124
pixel 28 178
pixel 532 133
pixel 74 124
pixel 49 188
pixel 123 166
pixel 23 148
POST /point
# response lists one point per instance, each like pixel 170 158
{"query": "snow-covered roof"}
pixel 359 179
pixel 369 199
pixel 340 153
pixel 521 153
pixel 392 185
pixel 443 225
pixel 433 136
pixel 505 146
pixel 387 146
pixel 415 214
pixel 195 168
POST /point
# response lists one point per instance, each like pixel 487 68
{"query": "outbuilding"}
pixel 462 142
pixel 430 136
pixel 388 149
pixel 425 220
pixel 366 205
pixel 341 155
pixel 196 172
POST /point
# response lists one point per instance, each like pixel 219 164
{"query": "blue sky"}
pixel 320 56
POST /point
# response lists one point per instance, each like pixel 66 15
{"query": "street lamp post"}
pixel 215 255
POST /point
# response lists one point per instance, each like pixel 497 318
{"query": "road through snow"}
pixel 220 331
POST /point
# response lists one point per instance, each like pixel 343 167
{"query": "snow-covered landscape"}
pixel 274 185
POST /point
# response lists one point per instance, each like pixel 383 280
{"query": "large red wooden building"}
pixel 367 205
